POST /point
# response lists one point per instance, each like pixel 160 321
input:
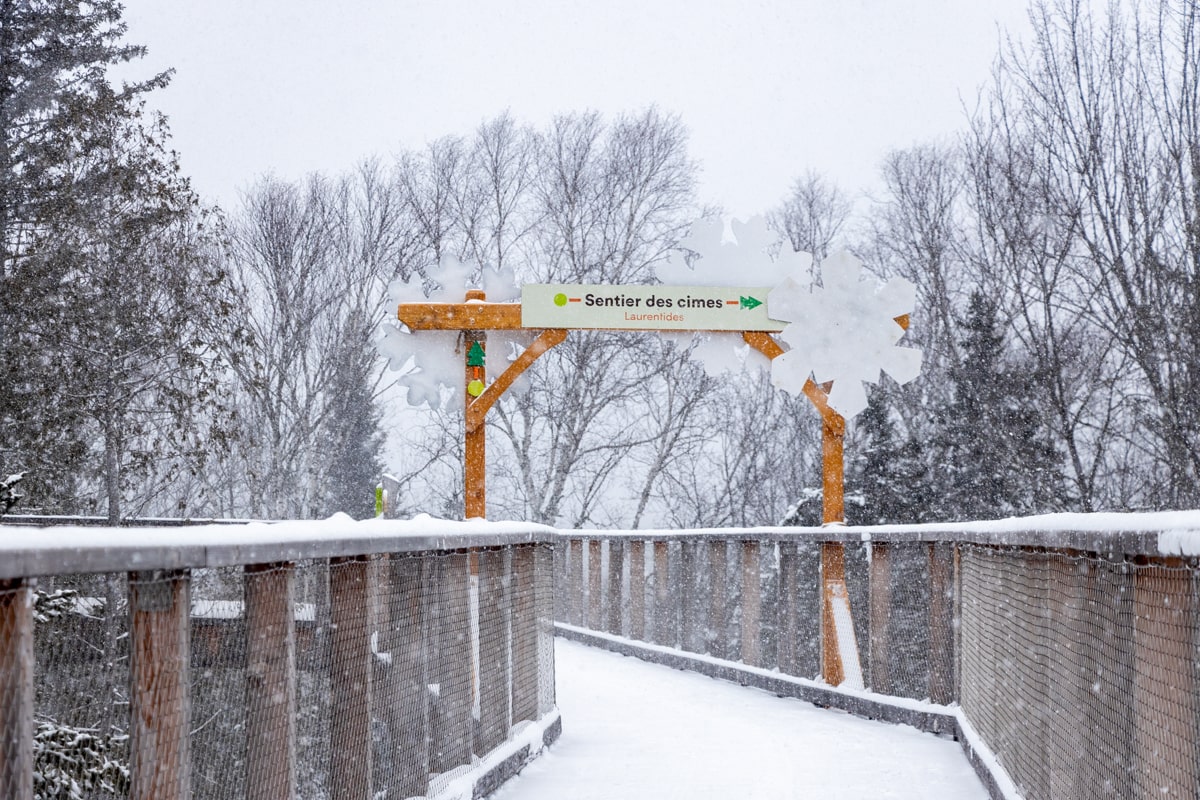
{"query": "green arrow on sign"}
pixel 751 302
pixel 475 355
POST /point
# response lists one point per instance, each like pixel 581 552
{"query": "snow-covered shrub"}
pixel 72 763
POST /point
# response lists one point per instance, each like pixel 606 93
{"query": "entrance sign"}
pixel 646 308
pixel 843 334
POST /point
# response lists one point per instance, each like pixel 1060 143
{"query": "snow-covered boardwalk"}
pixel 633 730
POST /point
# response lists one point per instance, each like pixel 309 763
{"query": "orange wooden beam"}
pixel 478 408
pixel 471 316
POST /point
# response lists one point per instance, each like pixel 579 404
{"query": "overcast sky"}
pixel 767 89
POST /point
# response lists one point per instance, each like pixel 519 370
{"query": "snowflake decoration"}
pixel 431 362
pixel 705 258
pixel 842 331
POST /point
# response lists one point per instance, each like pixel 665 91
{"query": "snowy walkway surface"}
pixel 636 731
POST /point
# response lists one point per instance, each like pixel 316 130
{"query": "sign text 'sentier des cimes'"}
pixel 654 308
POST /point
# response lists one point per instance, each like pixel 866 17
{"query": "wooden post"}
pixel 690 615
pixel 575 583
pixel 16 689
pixel 1164 691
pixel 562 600
pixel 543 626
pixel 350 773
pixel 787 610
pixel 881 615
pixel 405 709
pixel 941 622
pixel 475 443
pixel 595 593
pixel 833 427
pixel 270 682
pixel 833 574
pixel 495 678
pixel 451 628
pixel 616 563
pixel 751 605
pixel 717 630
pixel 160 702
pixel 637 589
pixel 664 608
pixel 524 633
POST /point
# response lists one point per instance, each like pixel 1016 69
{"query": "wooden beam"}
pixel 476 316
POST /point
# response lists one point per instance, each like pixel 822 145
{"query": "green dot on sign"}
pixel 560 299
pixel 475 388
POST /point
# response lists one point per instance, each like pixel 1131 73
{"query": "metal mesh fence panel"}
pixel 894 612
pixel 1080 673
pixel 218 684
pixel 81 709
pixel 385 676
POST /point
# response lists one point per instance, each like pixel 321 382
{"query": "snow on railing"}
pixel 1063 651
pixel 294 659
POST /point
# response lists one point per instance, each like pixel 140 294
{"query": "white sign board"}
pixel 650 308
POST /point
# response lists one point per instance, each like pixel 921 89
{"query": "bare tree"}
pixel 1095 127
pixel 611 201
pixel 812 217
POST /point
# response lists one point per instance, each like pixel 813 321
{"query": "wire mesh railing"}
pixel 1073 657
pixel 379 666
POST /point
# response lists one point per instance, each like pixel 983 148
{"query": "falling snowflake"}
pixel 843 331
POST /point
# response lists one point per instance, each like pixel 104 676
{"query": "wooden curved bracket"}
pixel 477 410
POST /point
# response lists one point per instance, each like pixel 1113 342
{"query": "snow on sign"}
pixel 652 308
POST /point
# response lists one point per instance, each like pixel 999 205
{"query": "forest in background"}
pixel 165 357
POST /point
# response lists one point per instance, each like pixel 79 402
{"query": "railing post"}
pixel 595 590
pixel 751 604
pixel 451 629
pixel 880 586
pixel 787 610
pixel 562 601
pixel 717 630
pixel 542 582
pixel 575 583
pixel 664 608
pixel 495 678
pixel 160 707
pixel 16 689
pixel 690 616
pixel 350 601
pixel 270 682
pixel 941 622
pixel 404 696
pixel 1164 690
pixel 616 564
pixel 637 589
pixel 524 633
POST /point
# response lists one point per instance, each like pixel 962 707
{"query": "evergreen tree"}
pixel 354 444
pixel 886 472
pixel 992 456
pixel 102 286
